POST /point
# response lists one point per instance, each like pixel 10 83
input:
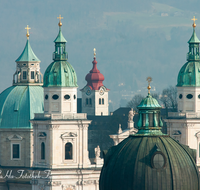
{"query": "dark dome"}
pixel 149 162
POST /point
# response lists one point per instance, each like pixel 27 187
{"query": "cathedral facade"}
pixel 44 141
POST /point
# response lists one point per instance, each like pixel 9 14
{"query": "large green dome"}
pixel 189 75
pixel 60 72
pixel 149 159
pixel 18 105
pixel 135 164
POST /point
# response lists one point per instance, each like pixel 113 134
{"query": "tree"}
pixel 169 98
pixel 135 101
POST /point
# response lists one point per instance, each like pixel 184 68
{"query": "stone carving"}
pixel 15 138
pixel 68 134
pixel 52 183
pixel 83 182
pixel 68 187
pixel 120 129
pixel 42 135
pixel 97 152
pixel 131 115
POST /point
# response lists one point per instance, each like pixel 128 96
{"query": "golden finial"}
pixel 194 24
pixel 94 52
pixel 149 79
pixel 27 33
pixel 60 23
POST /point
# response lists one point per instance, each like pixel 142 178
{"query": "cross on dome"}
pixel 60 23
pixel 94 52
pixel 194 24
pixel 27 33
pixel 149 79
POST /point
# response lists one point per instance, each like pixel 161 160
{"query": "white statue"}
pixel 131 115
pixel 97 152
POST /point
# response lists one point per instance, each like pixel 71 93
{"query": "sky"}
pixel 133 39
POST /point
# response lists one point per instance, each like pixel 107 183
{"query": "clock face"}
pixel 101 91
pixel 88 91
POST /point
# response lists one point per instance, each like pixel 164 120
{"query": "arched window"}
pixel 103 101
pixel 42 151
pixel 90 101
pixel 86 101
pixel 99 101
pixel 68 151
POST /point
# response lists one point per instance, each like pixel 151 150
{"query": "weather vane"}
pixel 27 33
pixel 94 52
pixel 194 24
pixel 60 23
pixel 149 79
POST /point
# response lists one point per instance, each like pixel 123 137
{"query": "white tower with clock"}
pixel 95 94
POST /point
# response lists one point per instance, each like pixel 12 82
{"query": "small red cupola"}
pixel 94 78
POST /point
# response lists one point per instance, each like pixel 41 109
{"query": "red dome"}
pixel 94 78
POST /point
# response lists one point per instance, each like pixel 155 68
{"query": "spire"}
pixel 28 67
pixel 193 53
pixel 60 45
pixel 149 122
pixel 60 37
pixel 94 78
pixel 27 54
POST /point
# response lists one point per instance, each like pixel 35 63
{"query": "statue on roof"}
pixel 131 115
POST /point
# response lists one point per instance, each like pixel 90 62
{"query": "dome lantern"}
pixel 60 72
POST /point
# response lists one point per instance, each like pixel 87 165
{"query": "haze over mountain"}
pixel 134 39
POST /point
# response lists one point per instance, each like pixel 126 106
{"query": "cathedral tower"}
pixel 60 133
pixel 184 125
pixel 95 94
pixel 188 83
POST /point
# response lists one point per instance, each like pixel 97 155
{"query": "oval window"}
pixel 180 96
pixel 74 96
pixel 189 96
pixel 67 97
pixel 55 96
pixel 46 96
pixel 158 161
pixel 199 96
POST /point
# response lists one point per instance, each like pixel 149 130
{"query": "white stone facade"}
pixel 185 102
pixel 60 100
pixel 95 102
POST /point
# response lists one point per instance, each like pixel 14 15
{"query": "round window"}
pixel 199 96
pixel 67 97
pixel 46 96
pixel 74 96
pixel 189 96
pixel 158 161
pixel 55 96
pixel 180 96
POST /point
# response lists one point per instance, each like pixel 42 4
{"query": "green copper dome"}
pixel 27 54
pixel 149 102
pixel 60 72
pixel 18 105
pixel 149 159
pixel 149 163
pixel 189 74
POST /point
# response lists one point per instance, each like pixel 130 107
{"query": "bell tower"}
pixel 95 94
